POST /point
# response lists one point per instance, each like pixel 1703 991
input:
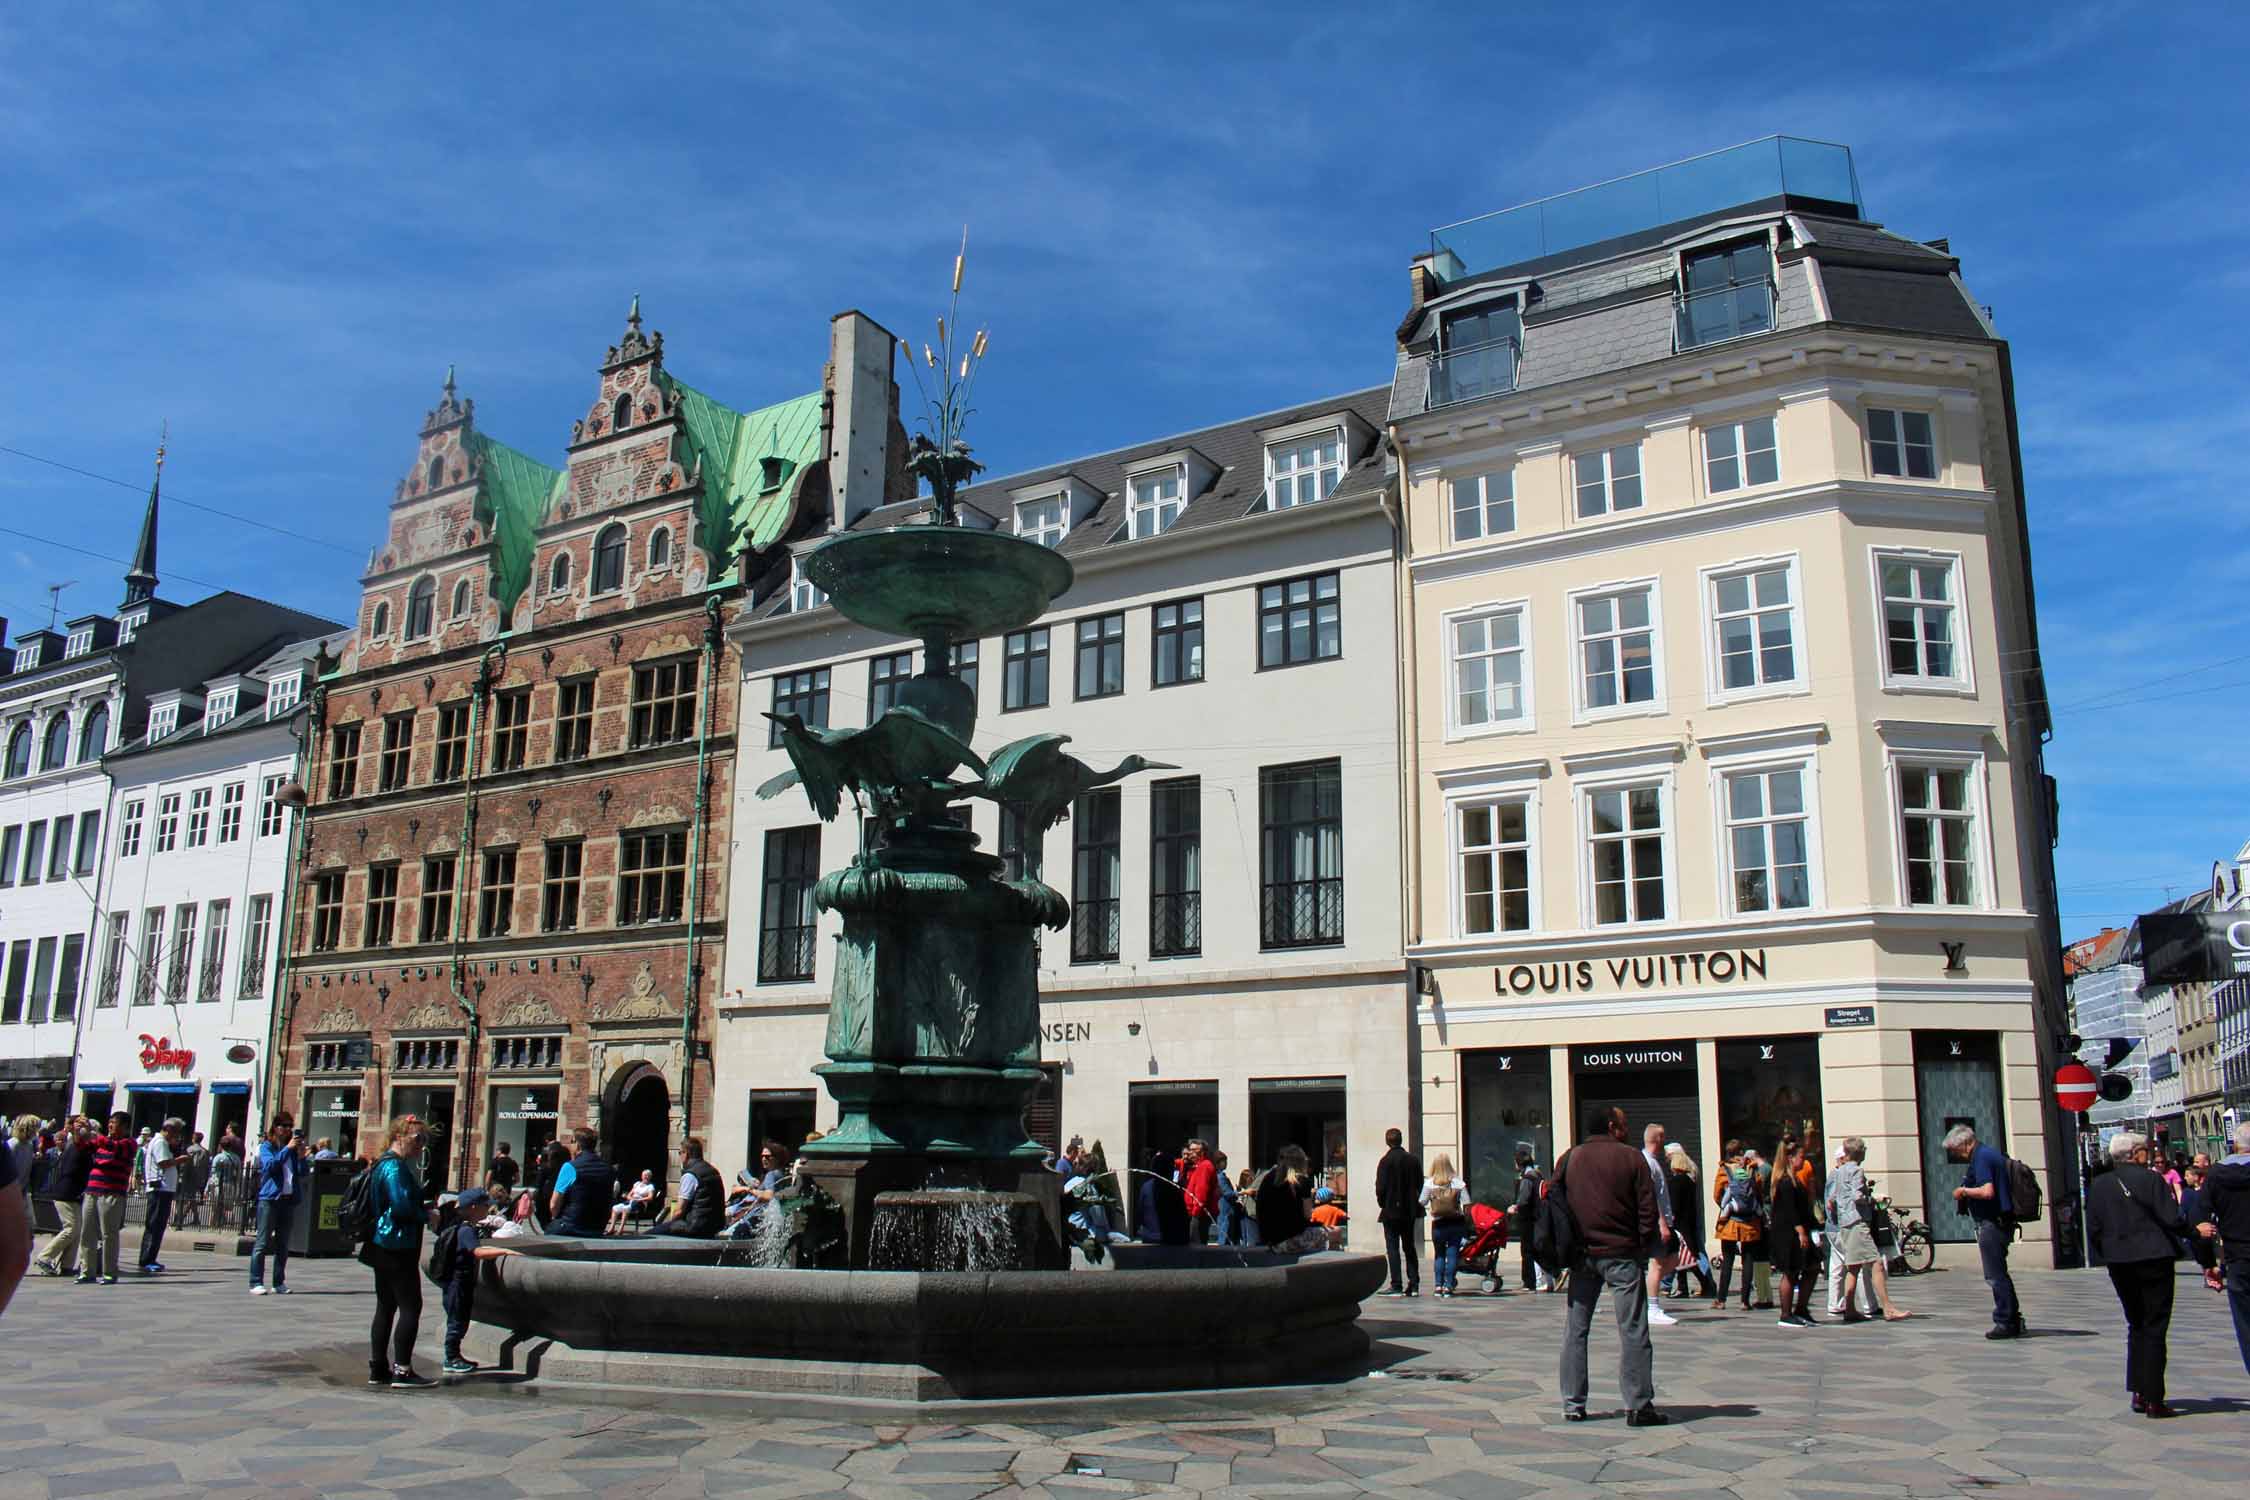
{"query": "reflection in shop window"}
pixel 1506 1101
pixel 1769 1086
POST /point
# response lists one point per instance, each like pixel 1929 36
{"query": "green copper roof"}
pixel 754 465
pixel 515 495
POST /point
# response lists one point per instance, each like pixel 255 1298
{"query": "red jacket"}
pixel 1201 1184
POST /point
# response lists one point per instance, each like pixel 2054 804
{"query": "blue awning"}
pixel 89 1086
pixel 161 1088
pixel 230 1088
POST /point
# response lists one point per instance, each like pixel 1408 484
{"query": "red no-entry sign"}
pixel 2076 1086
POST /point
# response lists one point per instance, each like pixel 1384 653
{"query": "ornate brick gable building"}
pixel 509 898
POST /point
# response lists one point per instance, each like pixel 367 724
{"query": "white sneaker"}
pixel 257 1291
pixel 1659 1318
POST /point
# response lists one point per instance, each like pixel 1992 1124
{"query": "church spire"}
pixel 140 582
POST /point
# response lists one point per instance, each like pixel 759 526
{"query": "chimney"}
pixel 865 414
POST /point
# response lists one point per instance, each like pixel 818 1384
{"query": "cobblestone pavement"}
pixel 185 1385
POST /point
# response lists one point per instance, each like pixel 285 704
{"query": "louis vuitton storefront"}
pixel 1743 1042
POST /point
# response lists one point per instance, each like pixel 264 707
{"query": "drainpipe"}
pixel 487 669
pixel 1409 794
pixel 713 644
pixel 293 865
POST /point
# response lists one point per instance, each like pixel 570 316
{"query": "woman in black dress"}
pixel 551 1162
pixel 1790 1222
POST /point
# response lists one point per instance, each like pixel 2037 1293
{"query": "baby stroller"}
pixel 1488 1237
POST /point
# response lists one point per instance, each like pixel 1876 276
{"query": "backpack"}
pixel 1445 1202
pixel 356 1211
pixel 1248 1197
pixel 1741 1198
pixel 2023 1192
pixel 439 1267
pixel 1556 1244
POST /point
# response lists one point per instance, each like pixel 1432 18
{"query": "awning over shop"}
pixel 161 1088
pixel 230 1086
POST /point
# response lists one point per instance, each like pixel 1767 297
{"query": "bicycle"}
pixel 1911 1248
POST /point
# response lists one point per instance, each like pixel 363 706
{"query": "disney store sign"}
pixel 158 1054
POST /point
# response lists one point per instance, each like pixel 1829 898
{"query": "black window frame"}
pixel 574 719
pixel 1100 641
pixel 1175 867
pixel 421 609
pixel 1284 893
pixel 378 927
pixel 511 729
pixel 650 893
pixel 887 676
pixel 795 692
pixel 562 885
pixel 1177 635
pixel 449 753
pixel 1015 684
pixel 1023 848
pixel 343 761
pixel 441 887
pixel 657 706
pixel 961 659
pixel 327 911
pixel 607 575
pixel 1285 608
pixel 1096 912
pixel 394 763
pixel 496 892
pixel 788 950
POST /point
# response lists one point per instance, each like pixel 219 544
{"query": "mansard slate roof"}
pixel 1584 321
pixel 257 668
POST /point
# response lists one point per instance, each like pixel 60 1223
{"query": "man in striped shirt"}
pixel 102 1215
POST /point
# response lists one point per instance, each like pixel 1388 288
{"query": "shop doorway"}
pixel 1163 1117
pixel 1507 1099
pixel 1767 1089
pixel 434 1108
pixel 1956 1082
pixel 637 1122
pixel 151 1106
pixel 1304 1112
pixel 230 1110
pixel 524 1119
pixel 1653 1082
pixel 784 1115
pixel 94 1104
pixel 333 1114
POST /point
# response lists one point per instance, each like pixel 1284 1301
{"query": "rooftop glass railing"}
pixel 1748 173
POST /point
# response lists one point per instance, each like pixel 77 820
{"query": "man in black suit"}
pixel 2134 1226
pixel 1398 1202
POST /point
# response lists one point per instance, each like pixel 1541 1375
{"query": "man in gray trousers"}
pixel 1606 1185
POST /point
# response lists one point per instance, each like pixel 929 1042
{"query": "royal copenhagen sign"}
pixel 1646 972
pixel 158 1055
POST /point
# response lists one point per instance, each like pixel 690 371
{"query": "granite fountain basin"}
pixel 672 1314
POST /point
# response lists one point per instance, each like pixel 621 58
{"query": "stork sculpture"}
pixel 1035 774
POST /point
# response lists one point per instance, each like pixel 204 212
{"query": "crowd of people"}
pixel 1191 1197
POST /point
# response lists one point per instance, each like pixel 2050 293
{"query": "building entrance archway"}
pixel 636 1121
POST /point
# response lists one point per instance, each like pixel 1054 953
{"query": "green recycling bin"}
pixel 314 1230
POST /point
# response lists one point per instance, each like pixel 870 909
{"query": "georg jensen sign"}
pixel 1648 972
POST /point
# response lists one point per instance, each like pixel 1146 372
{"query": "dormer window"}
pixel 437 471
pixel 282 694
pixel 1298 473
pixel 27 657
pixel 1726 292
pixel 80 642
pixel 1155 501
pixel 162 721
pixel 1477 349
pixel 1042 521
pixel 802 593
pixel 129 625
pixel 218 710
pixel 421 605
pixel 609 560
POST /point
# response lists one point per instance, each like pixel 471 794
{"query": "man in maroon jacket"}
pixel 1199 1181
pixel 1612 1201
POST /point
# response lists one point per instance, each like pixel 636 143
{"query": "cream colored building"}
pixel 1233 967
pixel 1723 740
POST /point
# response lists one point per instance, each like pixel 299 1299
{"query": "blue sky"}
pixel 277 231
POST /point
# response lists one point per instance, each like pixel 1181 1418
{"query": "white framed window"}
pixel 1618 651
pixel 167 822
pixel 1492 840
pixel 803 595
pixel 1940 843
pixel 129 831
pixel 1626 831
pixel 282 694
pixel 1924 644
pixel 1608 480
pixel 230 812
pixel 269 806
pixel 1757 632
pixel 129 626
pixel 1901 444
pixel 199 817
pixel 1153 502
pixel 1489 667
pixel 1484 505
pixel 1739 454
pixel 27 657
pixel 219 710
pixel 1042 521
pixel 1304 470
pixel 80 642
pixel 1767 814
pixel 162 721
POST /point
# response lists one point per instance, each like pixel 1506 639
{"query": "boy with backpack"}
pixel 454 1253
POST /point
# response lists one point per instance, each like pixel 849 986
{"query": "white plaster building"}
pixel 192 899
pixel 1232 969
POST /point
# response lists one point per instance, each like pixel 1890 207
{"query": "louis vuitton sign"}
pixel 1646 972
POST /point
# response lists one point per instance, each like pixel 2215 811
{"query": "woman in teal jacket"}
pixel 393 1253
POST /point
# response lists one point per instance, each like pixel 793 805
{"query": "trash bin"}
pixel 314 1231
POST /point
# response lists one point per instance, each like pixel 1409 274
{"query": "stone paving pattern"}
pixel 184 1385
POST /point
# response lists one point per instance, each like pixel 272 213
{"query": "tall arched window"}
pixel 621 415
pixel 558 576
pixel 381 622
pixel 609 560
pixel 461 599
pixel 93 735
pixel 660 548
pixel 56 754
pixel 19 752
pixel 420 604
pixel 437 470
